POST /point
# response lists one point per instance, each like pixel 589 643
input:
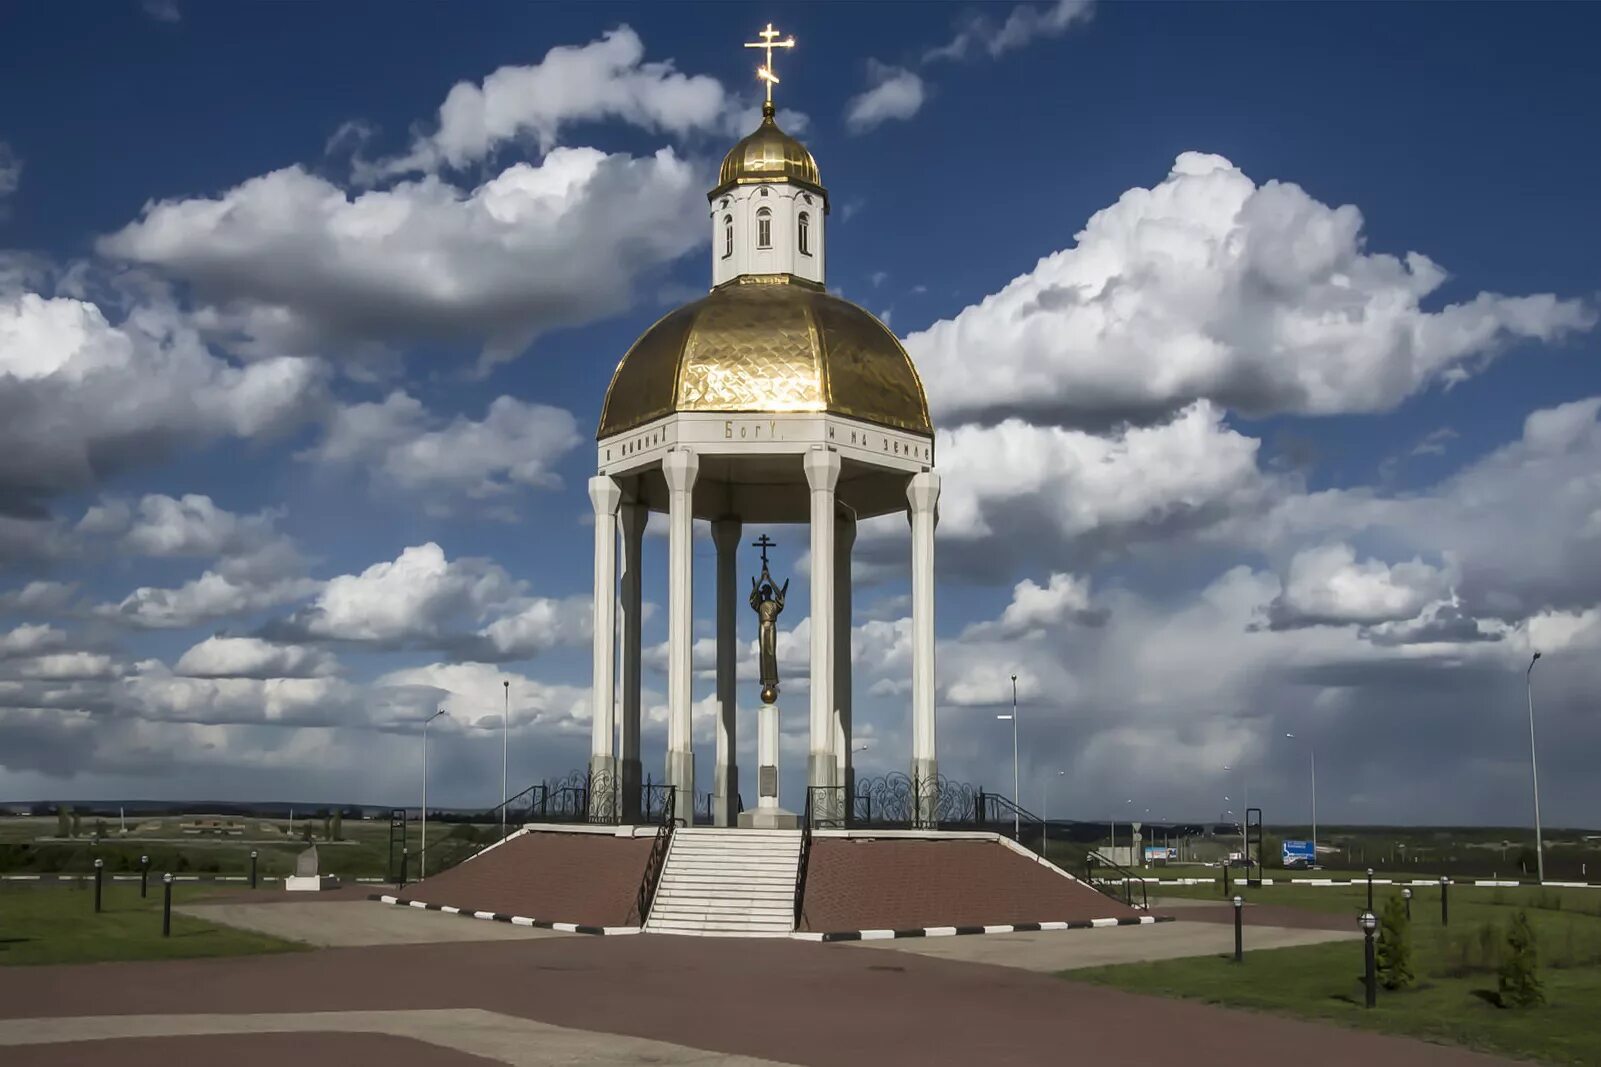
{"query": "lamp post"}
pixel 1017 818
pixel 1045 797
pixel 1312 753
pixel 505 734
pixel 426 721
pixel 1369 923
pixel 1245 807
pixel 1534 771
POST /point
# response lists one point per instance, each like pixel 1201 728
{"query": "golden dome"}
pixel 768 155
pixel 768 344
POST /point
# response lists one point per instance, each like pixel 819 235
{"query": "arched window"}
pixel 803 234
pixel 728 236
pixel 764 227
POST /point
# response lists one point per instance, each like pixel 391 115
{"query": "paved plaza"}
pixel 413 998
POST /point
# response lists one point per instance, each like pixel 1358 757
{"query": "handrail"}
pixel 1007 806
pixel 1128 878
pixel 805 853
pixel 658 854
pixel 538 788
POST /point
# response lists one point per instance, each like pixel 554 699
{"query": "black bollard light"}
pixel 405 856
pixel 1445 902
pixel 1239 929
pixel 166 906
pixel 252 868
pixel 1225 878
pixel 1406 895
pixel 144 877
pixel 1370 923
pixel 1370 889
pixel 100 870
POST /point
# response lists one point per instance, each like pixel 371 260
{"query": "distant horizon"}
pixel 198 806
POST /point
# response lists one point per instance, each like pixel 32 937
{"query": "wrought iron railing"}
pixel 658 853
pixel 807 817
pixel 901 801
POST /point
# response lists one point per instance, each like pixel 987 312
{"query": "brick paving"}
pixel 591 879
pixel 782 1000
pixel 898 884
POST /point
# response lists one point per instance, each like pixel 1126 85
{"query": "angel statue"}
pixel 767 601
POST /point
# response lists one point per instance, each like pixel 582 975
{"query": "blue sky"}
pixel 1261 342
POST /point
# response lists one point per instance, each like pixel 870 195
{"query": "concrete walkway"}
pixel 487 1034
pixel 344 924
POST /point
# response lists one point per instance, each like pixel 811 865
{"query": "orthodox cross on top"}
pixel 767 43
pixel 764 543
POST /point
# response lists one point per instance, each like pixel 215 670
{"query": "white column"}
pixel 680 468
pixel 725 534
pixel 923 495
pixel 844 538
pixel 822 473
pixel 630 771
pixel 605 494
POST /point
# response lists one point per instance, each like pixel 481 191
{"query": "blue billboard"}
pixel 1299 854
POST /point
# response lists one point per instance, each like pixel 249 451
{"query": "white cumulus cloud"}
pixel 516 444
pixel 896 93
pixel 251 657
pixel 290 262
pixel 1260 298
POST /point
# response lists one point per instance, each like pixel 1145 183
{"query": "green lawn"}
pixel 1456 965
pixel 58 924
pixel 29 845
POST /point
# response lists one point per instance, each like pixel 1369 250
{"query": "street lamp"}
pixel 1534 771
pixel 426 721
pixel 1045 797
pixel 1017 818
pixel 1312 751
pixel 505 736
pixel 1245 806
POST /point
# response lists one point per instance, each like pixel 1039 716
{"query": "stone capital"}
pixel 679 467
pixel 822 469
pixel 922 492
pixel 725 533
pixel 605 494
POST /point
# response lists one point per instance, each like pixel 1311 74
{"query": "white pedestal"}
pixel 767 815
pixel 310 883
pixel 774 818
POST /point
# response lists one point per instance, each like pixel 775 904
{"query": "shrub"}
pixel 1395 946
pixel 64 822
pixel 1519 977
pixel 337 829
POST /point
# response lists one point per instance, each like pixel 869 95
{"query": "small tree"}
pixel 336 830
pixel 327 824
pixel 1395 946
pixel 305 832
pixel 1519 978
pixel 76 819
pixel 64 821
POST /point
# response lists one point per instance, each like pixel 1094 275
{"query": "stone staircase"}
pixel 721 882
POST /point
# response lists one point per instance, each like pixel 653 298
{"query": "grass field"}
pixel 58 924
pixel 1455 1001
pixel 28 845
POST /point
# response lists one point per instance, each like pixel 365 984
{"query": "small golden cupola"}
pixel 768 155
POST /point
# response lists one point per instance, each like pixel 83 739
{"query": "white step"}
pixel 727 883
